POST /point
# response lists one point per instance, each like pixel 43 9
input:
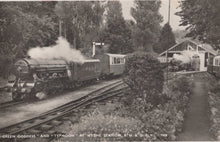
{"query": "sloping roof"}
pixel 115 55
pixel 204 46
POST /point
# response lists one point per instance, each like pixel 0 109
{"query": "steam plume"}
pixel 61 50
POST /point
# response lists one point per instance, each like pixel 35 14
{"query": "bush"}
pixel 5 66
pixel 144 75
pixel 99 127
pixel 215 88
pixel 214 104
pixel 168 115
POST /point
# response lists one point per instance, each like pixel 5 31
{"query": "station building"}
pixel 203 51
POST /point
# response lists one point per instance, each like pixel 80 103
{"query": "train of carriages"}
pixel 38 76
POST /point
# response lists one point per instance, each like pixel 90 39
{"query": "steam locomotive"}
pixel 34 77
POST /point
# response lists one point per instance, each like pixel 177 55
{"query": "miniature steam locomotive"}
pixel 36 76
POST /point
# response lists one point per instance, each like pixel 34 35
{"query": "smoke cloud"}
pixel 185 56
pixel 62 50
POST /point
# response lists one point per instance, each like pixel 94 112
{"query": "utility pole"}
pixel 169 13
pixel 168 47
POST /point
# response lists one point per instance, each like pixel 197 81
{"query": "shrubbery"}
pixel 161 111
pixel 168 116
pixel 214 103
pixel 144 75
pixel 99 127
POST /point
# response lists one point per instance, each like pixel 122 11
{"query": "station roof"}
pixel 179 47
pixel 115 55
pixel 91 60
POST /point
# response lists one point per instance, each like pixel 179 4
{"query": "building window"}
pixel 115 60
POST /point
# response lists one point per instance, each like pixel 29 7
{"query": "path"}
pixel 196 124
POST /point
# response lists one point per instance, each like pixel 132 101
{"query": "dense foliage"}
pixel 106 128
pixel 158 105
pixel 166 40
pixel 148 19
pixel 203 20
pixel 214 106
pixel 144 75
pixel 24 25
pixel 168 115
pixel 80 21
pixel 116 33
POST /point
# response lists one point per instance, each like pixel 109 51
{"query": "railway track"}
pixel 52 118
pixel 9 104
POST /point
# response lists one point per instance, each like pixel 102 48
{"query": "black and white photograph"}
pixel 109 70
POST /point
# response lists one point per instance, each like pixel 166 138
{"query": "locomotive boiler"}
pixel 37 76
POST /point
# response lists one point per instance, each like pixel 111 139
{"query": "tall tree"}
pixel 23 25
pixel 166 40
pixel 203 20
pixel 148 19
pixel 117 33
pixel 79 19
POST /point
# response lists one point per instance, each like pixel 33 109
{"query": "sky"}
pixel 174 19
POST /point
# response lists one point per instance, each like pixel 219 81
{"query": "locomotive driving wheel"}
pixel 16 97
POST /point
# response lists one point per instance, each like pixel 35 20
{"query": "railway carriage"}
pixel 214 66
pixel 89 70
pixel 111 64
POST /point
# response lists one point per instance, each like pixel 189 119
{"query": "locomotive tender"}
pixel 47 76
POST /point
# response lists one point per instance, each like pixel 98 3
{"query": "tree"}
pixel 180 35
pixel 23 25
pixel 117 33
pixel 202 20
pixel 166 40
pixel 148 19
pixel 79 20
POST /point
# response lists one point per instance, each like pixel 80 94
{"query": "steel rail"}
pixel 100 90
pixel 70 110
pixel 9 104
pixel 60 111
